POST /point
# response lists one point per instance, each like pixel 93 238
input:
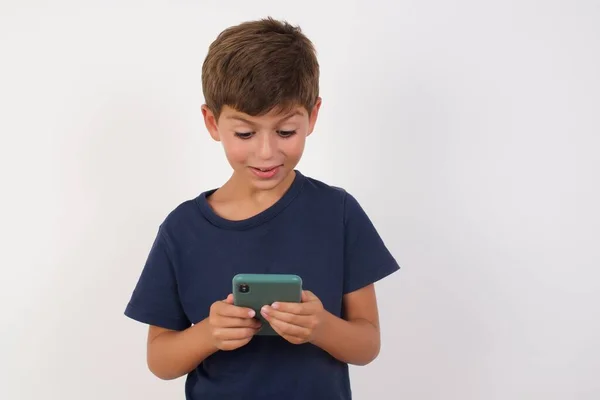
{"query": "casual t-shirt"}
pixel 315 231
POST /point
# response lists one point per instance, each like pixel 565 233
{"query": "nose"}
pixel 267 146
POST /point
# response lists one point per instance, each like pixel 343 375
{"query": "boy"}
pixel 261 83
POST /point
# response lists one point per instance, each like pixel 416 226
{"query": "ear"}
pixel 312 118
pixel 211 123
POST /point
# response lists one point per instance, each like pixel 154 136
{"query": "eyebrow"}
pixel 239 118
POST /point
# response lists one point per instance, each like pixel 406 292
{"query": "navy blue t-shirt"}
pixel 316 231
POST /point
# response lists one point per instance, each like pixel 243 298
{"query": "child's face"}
pixel 262 150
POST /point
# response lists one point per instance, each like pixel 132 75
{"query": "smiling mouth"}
pixel 266 169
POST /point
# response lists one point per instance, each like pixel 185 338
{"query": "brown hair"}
pixel 258 66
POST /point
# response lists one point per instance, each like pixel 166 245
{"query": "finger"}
pixel 229 299
pixel 234 322
pixel 229 310
pixel 294 319
pixel 225 334
pixel 293 308
pixel 287 329
pixel 307 296
pixel 291 339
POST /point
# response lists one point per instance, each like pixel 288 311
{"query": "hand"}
pixel 296 322
pixel 231 326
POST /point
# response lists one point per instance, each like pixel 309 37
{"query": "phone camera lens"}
pixel 244 288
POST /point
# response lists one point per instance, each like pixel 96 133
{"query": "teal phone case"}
pixel 256 290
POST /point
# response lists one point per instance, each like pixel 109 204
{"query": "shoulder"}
pixel 325 191
pixel 182 218
pixel 182 212
pixel 336 196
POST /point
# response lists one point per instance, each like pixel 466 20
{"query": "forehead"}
pixel 273 117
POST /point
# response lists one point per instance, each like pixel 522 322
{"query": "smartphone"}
pixel 257 290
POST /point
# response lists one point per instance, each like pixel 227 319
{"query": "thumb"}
pixel 307 296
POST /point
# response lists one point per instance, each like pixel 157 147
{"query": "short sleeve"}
pixel 155 299
pixel 366 257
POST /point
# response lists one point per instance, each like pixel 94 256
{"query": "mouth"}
pixel 266 172
pixel 266 169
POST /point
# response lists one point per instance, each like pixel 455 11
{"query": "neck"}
pixel 240 188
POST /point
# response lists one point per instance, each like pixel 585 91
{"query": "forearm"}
pixel 354 342
pixel 174 354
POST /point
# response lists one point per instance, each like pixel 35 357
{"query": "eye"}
pixel 244 135
pixel 286 134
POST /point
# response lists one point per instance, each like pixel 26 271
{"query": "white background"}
pixel 469 131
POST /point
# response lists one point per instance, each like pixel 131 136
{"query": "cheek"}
pixel 235 150
pixel 294 147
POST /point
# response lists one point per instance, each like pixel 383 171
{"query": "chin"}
pixel 265 186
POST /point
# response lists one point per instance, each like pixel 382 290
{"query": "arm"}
pixel 354 339
pixel 173 347
pixel 172 354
